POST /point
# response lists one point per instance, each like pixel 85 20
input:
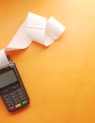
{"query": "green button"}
pixel 24 102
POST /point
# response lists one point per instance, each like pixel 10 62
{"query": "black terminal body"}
pixel 12 90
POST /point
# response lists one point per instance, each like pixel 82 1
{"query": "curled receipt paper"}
pixel 34 28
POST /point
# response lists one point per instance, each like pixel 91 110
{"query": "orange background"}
pixel 60 79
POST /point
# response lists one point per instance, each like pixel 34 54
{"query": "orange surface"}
pixel 60 79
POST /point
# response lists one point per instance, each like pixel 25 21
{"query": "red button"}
pixel 11 108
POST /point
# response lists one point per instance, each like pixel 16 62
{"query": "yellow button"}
pixel 18 105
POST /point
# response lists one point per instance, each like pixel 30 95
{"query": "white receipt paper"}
pixel 34 28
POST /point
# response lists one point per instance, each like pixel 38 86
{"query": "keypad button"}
pixel 11 108
pixel 19 90
pixel 24 102
pixel 18 105
pixel 6 97
pixel 4 91
pixel 22 98
pixel 15 86
pixel 12 93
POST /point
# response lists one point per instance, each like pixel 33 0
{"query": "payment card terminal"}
pixel 12 90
